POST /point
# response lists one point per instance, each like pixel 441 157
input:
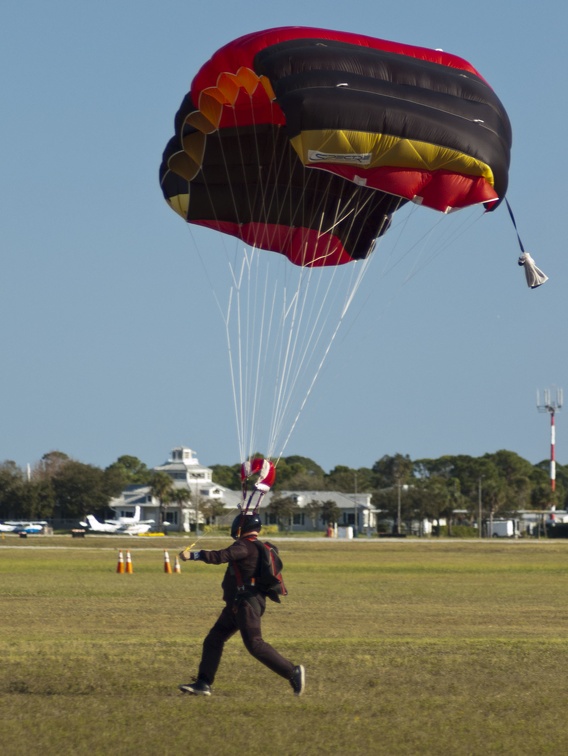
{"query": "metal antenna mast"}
pixel 552 401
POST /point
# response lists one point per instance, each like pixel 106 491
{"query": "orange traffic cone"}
pixel 177 566
pixel 120 565
pixel 167 565
pixel 128 569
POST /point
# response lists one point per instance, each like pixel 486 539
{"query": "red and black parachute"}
pixel 304 141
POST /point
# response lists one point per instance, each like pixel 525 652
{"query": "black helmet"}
pixel 245 524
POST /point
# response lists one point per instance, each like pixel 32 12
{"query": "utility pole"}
pixel 480 509
pixel 398 506
pixel 357 512
pixel 552 402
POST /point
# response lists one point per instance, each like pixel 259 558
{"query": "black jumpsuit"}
pixel 242 612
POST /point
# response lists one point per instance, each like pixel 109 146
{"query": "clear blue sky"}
pixel 111 344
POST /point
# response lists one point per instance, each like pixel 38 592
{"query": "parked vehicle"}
pixel 504 528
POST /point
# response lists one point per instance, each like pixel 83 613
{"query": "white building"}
pixel 186 472
pixel 355 510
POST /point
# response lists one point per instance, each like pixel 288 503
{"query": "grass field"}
pixel 416 647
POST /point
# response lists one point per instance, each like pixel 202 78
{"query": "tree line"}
pixel 59 487
pixel 499 483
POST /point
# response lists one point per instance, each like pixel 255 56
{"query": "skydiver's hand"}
pixel 186 556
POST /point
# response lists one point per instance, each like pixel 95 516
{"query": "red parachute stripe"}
pixel 302 246
pixel 438 190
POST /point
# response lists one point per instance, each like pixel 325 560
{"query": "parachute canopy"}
pixel 304 141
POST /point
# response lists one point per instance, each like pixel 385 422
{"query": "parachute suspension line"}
pixel 365 265
pixel 250 342
pixel 261 316
pixel 260 321
pixel 396 231
pixel 244 163
pixel 267 321
pixel 205 268
pixel 416 266
pixel 377 258
pixel 226 313
pixel 422 243
pixel 237 345
pixel 234 323
pixel 236 275
pixel 424 240
pixel 289 309
pixel 278 330
pixel 302 340
pixel 232 370
pixel 314 335
pixel 245 343
pixel 399 231
pixel 390 263
pixel 452 234
pixel 240 399
pixel 246 368
pixel 243 334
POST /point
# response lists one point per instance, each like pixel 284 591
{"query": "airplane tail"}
pixel 93 523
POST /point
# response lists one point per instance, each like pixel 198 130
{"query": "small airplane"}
pixel 123 525
pixel 22 526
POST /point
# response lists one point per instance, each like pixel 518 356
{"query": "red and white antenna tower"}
pixel 553 400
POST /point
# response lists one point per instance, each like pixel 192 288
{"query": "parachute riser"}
pixel 266 472
pixel 246 510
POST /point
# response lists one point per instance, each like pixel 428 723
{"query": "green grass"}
pixel 420 647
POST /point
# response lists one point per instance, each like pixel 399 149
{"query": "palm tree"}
pixel 314 509
pixel 211 509
pixel 330 512
pixel 161 487
pixel 283 507
pixel 180 496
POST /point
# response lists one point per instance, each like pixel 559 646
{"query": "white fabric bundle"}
pixel 535 276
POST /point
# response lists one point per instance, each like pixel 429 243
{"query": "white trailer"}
pixel 504 529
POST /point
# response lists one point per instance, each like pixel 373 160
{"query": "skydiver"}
pixel 244 607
